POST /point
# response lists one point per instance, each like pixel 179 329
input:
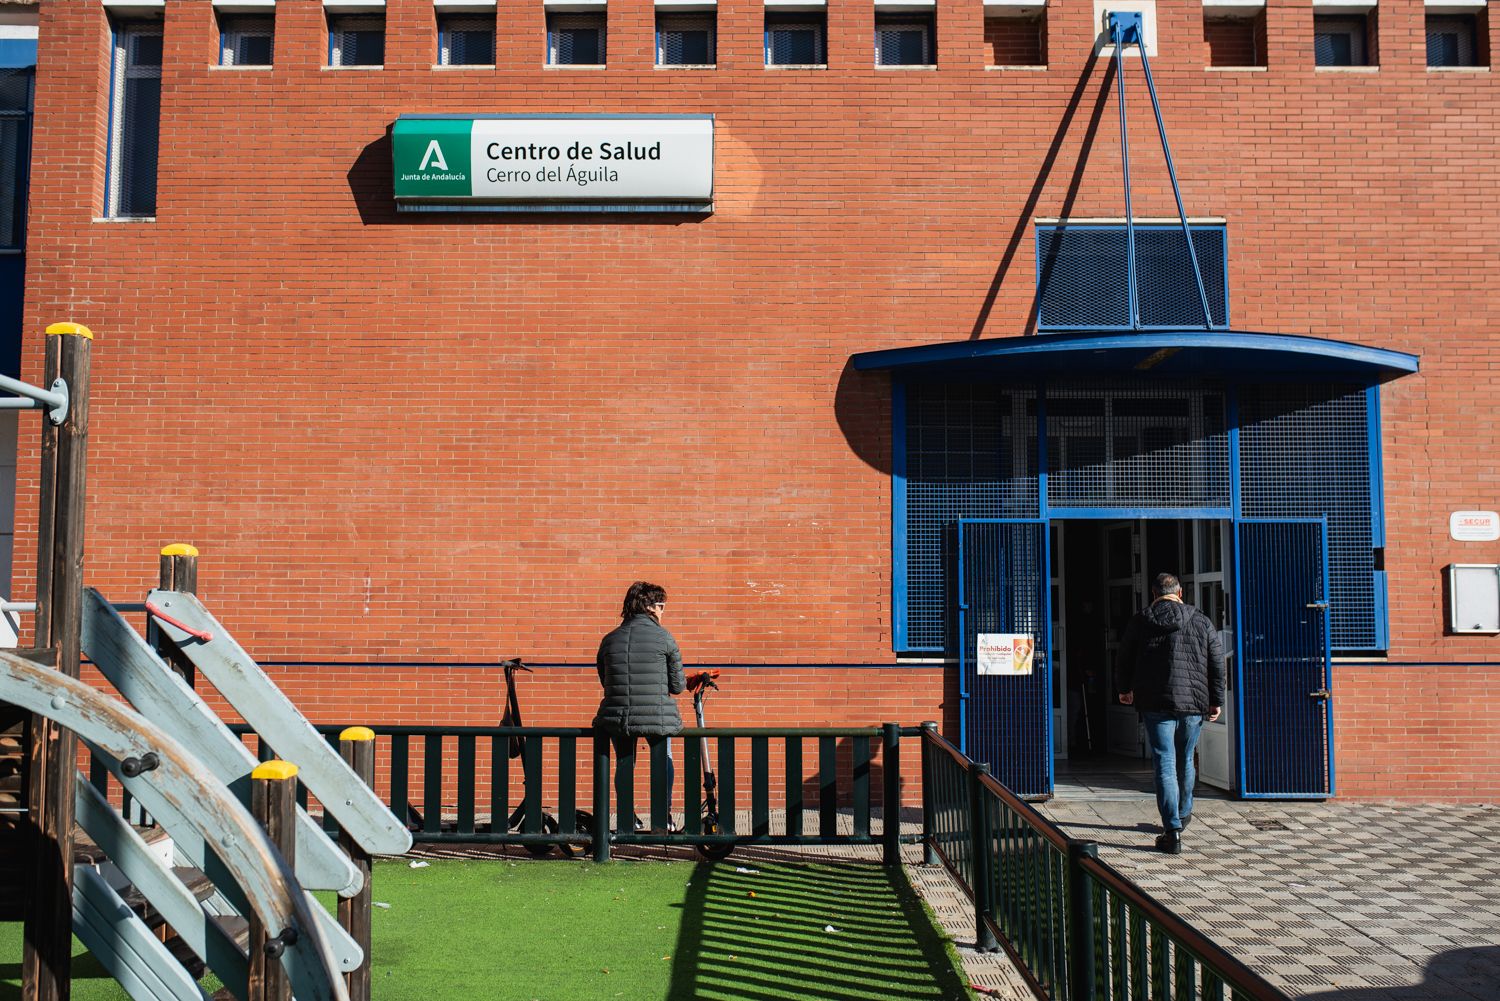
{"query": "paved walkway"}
pixel 1353 901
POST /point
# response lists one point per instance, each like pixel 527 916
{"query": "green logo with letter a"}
pixel 431 157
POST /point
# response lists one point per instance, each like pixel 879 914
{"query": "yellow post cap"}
pixel 357 733
pixel 281 770
pixel 77 329
pixel 179 549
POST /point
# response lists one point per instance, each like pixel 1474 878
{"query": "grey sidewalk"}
pixel 1354 901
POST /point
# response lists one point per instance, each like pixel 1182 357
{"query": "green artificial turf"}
pixel 502 930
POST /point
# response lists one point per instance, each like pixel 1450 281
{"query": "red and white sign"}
pixel 1005 653
pixel 1474 526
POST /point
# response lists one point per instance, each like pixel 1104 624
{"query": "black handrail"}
pixel 1076 927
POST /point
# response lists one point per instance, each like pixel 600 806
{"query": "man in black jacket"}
pixel 1172 670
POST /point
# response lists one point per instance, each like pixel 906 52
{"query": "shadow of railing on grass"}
pixel 763 935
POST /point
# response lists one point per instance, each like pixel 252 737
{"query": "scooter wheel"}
pixel 549 826
pixel 717 852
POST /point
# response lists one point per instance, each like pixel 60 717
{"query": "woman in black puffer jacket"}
pixel 640 668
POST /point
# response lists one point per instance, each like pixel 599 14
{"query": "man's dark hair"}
pixel 1165 584
pixel 640 597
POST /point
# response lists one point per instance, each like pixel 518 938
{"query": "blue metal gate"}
pixel 1285 703
pixel 1003 588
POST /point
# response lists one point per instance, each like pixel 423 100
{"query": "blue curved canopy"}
pixel 1240 355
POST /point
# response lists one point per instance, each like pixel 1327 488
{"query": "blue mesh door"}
pixel 1003 592
pixel 1286 711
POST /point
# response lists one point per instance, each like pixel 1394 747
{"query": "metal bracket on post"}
pixel 1126 26
pixel 55 399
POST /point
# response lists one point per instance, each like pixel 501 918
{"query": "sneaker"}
pixel 1169 843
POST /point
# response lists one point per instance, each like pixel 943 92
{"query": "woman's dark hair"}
pixel 640 598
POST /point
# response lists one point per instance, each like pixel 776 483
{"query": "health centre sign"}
pixel 490 162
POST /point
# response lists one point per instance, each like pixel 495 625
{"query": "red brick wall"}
pixel 1015 41
pixel 1235 41
pixel 447 438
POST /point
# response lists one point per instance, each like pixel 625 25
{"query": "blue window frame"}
pixel 1451 40
pixel 904 40
pixel 685 39
pixel 356 40
pixel 246 39
pixel 1340 41
pixel 1082 276
pixel 576 40
pixel 796 39
pixel 466 40
pixel 134 120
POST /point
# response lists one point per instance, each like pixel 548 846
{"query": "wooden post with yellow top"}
pixel 179 572
pixel 52 754
pixel 273 801
pixel 357 745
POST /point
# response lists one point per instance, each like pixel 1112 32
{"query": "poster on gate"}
pixel 1005 653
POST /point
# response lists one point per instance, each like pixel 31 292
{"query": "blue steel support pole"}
pixel 1118 39
pixel 1166 149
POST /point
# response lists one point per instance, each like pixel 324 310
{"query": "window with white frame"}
pixel 1451 40
pixel 575 40
pixel 356 40
pixel 466 40
pixel 796 39
pixel 246 39
pixel 903 40
pixel 1340 41
pixel 134 120
pixel 685 39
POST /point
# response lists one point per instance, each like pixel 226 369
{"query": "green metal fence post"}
pixel 890 807
pixel 601 797
pixel 1080 943
pixel 983 862
pixel 929 845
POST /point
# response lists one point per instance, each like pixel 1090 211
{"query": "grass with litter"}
pixel 504 930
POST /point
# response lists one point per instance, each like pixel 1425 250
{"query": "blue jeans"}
pixel 1173 739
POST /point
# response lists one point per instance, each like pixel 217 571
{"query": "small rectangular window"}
pixel 796 39
pixel 1016 41
pixel 1451 40
pixel 246 40
pixel 466 40
pixel 134 120
pixel 685 39
pixel 1341 41
pixel 575 40
pixel 1235 42
pixel 903 40
pixel 356 40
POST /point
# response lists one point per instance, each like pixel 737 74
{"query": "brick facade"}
pixel 445 439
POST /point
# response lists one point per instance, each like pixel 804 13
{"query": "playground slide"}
pixel 180 783
pixel 158 693
pixel 204 641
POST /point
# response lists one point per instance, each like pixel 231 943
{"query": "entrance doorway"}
pixel 1101 573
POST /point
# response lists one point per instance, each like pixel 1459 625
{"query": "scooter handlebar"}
pixel 703 679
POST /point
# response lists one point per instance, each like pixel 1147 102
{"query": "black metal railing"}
pixel 1075 926
pixel 834 804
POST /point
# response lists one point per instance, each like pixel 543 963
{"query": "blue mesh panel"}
pixel 960 463
pixel 1339 41
pixel 1082 277
pixel 1303 453
pixel 902 43
pixel 247 40
pixel 576 39
pixel 794 41
pixel 467 41
pixel 685 39
pixel 15 153
pixel 358 41
pixel 1138 445
pixel 1450 40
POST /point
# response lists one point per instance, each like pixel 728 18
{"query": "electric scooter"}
pixel 699 686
